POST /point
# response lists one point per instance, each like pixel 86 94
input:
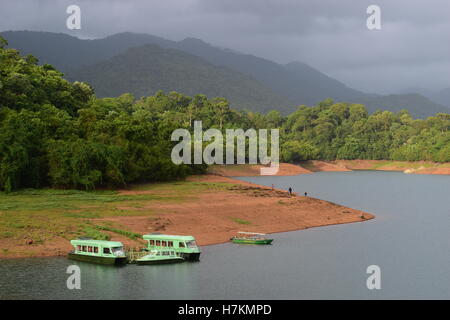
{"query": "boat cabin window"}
pixel 95 249
pixel 165 253
pixel 191 244
pixel 106 251
pixel 164 243
pixel 172 253
pixel 118 251
pixel 84 249
pixel 89 249
pixel 78 248
pixel 158 242
pixel 170 243
pixel 181 245
pixel 152 242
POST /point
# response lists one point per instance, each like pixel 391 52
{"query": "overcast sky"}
pixel 412 49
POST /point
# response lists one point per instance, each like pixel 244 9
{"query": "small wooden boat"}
pixel 159 257
pixel 250 238
pixel 98 251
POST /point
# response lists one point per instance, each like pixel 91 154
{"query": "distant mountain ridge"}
pixel 441 97
pixel 288 85
pixel 296 81
pixel 144 70
pixel 422 107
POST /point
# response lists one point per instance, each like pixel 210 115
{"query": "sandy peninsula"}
pixel 215 216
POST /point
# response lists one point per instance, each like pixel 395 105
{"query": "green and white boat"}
pixel 250 238
pixel 159 257
pixel 183 246
pixel 98 251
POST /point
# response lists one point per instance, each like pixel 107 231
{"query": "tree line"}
pixel 58 133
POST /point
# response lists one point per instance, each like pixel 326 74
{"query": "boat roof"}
pixel 255 233
pixel 167 237
pixel 103 243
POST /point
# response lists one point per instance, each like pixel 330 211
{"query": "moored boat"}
pixel 159 257
pixel 250 238
pixel 98 251
pixel 184 246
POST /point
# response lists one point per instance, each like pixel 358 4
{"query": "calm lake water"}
pixel 409 240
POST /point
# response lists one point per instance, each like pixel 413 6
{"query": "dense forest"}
pixel 58 133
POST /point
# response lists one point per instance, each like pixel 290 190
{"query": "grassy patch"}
pixel 93 233
pixel 128 234
pixel 401 165
pixel 241 221
pixel 181 187
pixel 46 214
pixel 307 165
pixel 6 234
pixel 82 214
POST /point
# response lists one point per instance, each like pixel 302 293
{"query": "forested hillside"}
pixel 53 132
pixel 145 70
pixel 416 104
pixel 297 82
pixel 332 131
pixel 58 133
pixel 293 84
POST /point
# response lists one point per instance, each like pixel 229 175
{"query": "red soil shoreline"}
pixel 305 167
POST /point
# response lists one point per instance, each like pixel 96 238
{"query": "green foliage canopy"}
pixel 57 133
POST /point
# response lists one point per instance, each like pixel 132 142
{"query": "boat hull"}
pixel 98 260
pixel 165 261
pixel 249 241
pixel 191 256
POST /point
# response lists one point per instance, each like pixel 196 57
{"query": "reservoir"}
pixel 409 240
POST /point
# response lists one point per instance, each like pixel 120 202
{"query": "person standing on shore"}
pixel 290 191
pixel 306 194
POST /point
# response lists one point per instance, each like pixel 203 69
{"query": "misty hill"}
pixel 443 97
pixel 418 105
pixel 145 70
pixel 290 85
pixel 296 81
pixel 67 53
pixel 440 97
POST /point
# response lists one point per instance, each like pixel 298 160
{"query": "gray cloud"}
pixel 412 49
